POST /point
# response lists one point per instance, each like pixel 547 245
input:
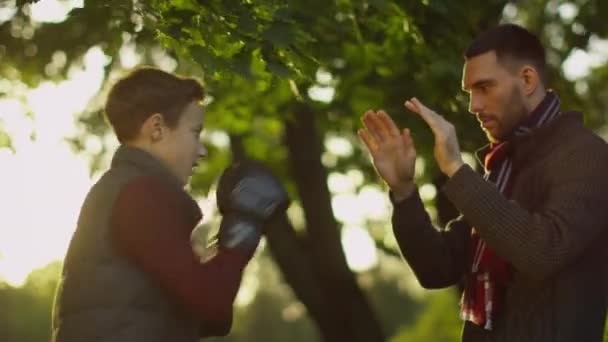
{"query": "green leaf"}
pixel 247 24
pixel 241 63
pixel 284 14
pixel 205 58
pixel 280 34
pixel 5 140
pixel 279 69
pixel 379 4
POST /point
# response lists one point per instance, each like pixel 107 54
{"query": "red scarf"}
pixel 489 274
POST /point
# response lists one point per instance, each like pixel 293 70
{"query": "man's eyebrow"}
pixel 479 83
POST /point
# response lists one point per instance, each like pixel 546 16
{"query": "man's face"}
pixel 495 96
pixel 180 147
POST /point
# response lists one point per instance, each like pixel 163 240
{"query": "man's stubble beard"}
pixel 514 114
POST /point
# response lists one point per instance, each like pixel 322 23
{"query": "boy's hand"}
pixel 248 196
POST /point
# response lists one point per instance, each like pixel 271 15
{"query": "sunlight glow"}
pixel 354 209
pixel 43 182
pixel 360 249
pixel 249 285
pixel 128 56
pixel 322 94
pixel 324 91
pixel 53 11
pixel 376 202
pixel 568 11
pixel 580 63
pixel 6 13
pixel 347 208
pixel 340 183
pixel 339 146
pixel 428 191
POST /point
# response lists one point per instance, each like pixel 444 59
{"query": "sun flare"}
pixel 43 181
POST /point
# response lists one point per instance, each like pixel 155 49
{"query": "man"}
pixel 531 241
pixel 130 273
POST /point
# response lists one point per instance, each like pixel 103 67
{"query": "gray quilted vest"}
pixel 101 296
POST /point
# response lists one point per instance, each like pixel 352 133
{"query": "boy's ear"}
pixel 153 127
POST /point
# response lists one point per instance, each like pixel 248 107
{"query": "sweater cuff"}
pixel 458 188
pixel 408 208
pixel 413 197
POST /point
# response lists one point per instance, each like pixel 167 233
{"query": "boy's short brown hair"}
pixel 146 91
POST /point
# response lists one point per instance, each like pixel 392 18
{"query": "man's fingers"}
pixel 388 123
pixel 374 127
pixel 411 106
pixel 430 117
pixel 421 107
pixel 407 138
pixel 416 106
pixel 368 140
pixel 365 116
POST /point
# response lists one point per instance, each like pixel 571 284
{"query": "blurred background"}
pixel 286 82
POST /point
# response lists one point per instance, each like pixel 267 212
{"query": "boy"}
pixel 130 273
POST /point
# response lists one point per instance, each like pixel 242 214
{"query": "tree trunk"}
pixel 295 264
pixel 352 318
pixel 317 270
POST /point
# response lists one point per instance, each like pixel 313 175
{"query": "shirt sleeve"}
pixel 151 230
pixel 437 257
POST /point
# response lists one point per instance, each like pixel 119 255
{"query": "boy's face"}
pixel 180 148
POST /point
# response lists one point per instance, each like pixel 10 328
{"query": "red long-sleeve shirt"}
pixel 152 228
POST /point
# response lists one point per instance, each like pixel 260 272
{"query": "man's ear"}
pixel 530 79
pixel 153 127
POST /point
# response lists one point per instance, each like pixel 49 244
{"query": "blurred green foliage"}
pixel 273 316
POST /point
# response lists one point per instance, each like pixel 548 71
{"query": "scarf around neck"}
pixel 488 275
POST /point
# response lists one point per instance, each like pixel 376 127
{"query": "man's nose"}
pixel 475 105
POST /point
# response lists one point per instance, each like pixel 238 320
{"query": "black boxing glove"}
pixel 248 197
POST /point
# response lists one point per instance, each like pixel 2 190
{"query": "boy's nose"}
pixel 202 152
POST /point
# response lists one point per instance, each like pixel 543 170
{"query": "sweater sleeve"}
pixel 151 230
pixel 572 213
pixel 437 257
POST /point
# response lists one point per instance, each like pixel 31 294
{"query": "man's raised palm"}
pixel 392 150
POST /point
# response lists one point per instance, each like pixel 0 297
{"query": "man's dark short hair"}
pixel 146 91
pixel 513 45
